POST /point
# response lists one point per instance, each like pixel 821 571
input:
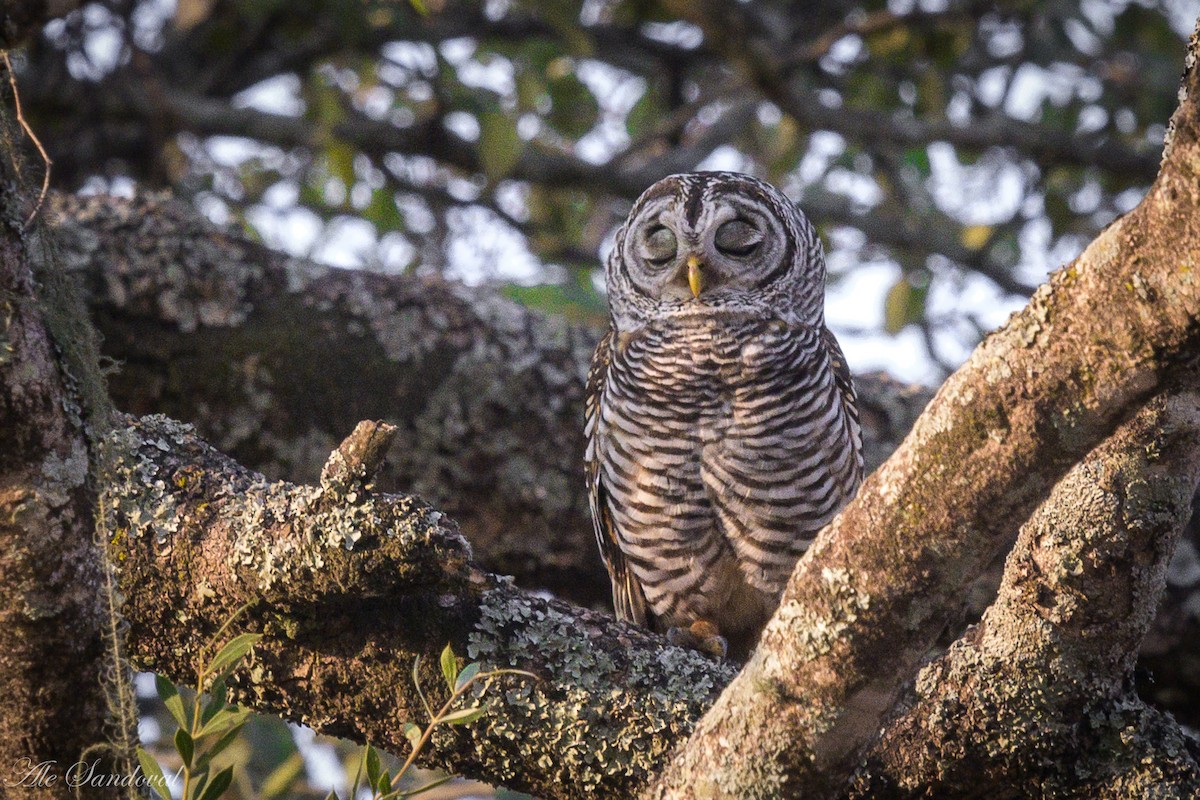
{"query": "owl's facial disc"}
pixel 729 247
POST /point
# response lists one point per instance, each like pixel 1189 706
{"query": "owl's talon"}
pixel 701 635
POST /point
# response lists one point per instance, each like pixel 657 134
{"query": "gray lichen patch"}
pixel 816 634
pixel 135 501
pixel 157 478
pixel 67 471
pixel 201 279
pixel 569 724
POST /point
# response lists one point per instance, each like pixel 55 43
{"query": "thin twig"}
pixel 12 80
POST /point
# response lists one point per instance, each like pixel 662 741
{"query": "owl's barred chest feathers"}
pixel 722 432
pixel 705 374
pixel 712 439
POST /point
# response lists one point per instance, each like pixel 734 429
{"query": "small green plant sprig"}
pixel 207 728
pixel 385 786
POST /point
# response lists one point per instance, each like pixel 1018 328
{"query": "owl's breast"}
pixel 694 373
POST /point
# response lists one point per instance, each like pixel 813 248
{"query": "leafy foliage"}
pixel 207 727
pixel 969 145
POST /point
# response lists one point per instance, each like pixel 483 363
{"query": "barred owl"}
pixel 722 432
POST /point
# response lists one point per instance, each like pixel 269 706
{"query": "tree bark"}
pixel 56 678
pixel 1021 705
pixel 351 586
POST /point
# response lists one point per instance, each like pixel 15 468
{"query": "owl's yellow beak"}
pixel 693 264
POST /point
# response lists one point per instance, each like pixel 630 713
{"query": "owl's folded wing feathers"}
pixel 628 599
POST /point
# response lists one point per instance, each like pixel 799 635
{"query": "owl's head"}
pixel 713 243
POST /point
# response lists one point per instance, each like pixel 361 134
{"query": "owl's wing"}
pixel 628 598
pixel 845 385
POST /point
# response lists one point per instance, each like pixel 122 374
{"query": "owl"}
pixel 722 432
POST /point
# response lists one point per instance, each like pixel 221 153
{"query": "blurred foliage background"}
pixel 954 151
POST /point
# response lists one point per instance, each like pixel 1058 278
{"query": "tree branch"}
pixel 1051 663
pixel 755 50
pixel 350 586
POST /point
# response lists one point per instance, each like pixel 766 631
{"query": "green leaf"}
pixel 918 158
pixel 171 699
pixel 341 162
pixel 499 145
pixel 463 716
pixel 644 115
pixel 382 211
pixel 904 304
pixel 185 745
pixel 218 785
pixel 223 720
pixel 577 300
pixel 574 109
pixel 372 756
pixel 197 787
pixel 280 779
pixel 895 307
pixel 154 774
pixel 385 783
pixel 413 733
pixel 449 666
pixel 417 683
pixel 216 701
pixel 220 745
pixel 233 651
pixel 358 773
pixel 974 237
pixel 464 677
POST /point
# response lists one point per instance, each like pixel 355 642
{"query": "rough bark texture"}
pixel 1048 671
pixel 350 586
pixel 53 708
pixel 870 597
pixel 274 359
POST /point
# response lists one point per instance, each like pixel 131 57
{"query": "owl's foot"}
pixel 701 635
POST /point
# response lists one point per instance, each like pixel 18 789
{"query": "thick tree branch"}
pixel 869 598
pixel 53 616
pixel 1051 664
pixel 350 586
